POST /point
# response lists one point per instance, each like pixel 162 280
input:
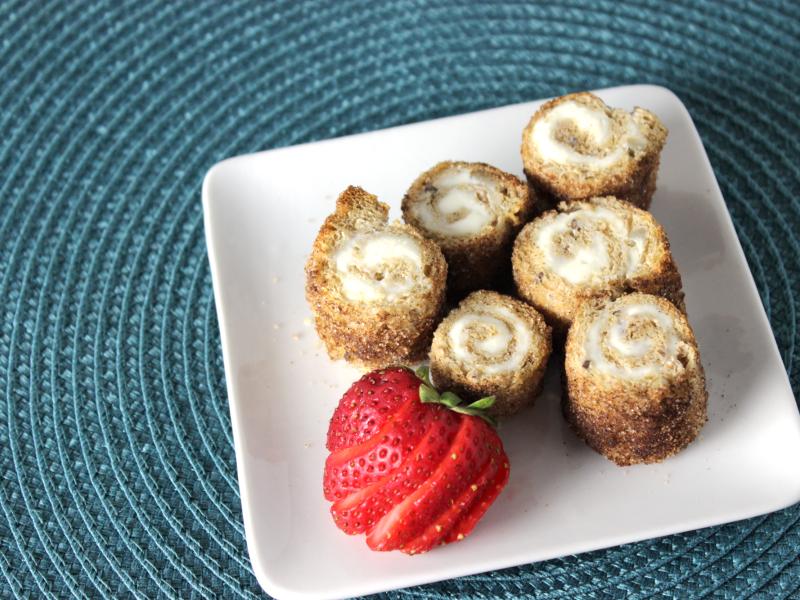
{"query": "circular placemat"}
pixel 118 473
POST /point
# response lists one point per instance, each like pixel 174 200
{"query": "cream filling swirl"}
pixel 592 245
pixel 380 266
pixel 633 342
pixel 595 126
pixel 457 203
pixel 491 339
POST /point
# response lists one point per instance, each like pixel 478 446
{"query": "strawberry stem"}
pixel 428 394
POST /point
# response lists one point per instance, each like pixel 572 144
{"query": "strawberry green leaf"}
pixel 424 373
pixel 474 413
pixel 449 399
pixel 483 403
pixel 427 394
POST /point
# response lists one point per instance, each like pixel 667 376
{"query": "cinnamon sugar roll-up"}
pixel 473 211
pixel 376 289
pixel 492 345
pixel 591 248
pixel 635 387
pixel 576 147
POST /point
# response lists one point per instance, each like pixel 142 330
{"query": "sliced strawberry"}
pixel 360 511
pixel 461 529
pixel 456 471
pixel 352 469
pixel 435 533
pixel 409 466
pixel 367 405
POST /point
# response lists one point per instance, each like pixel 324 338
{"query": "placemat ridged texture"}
pixel 117 465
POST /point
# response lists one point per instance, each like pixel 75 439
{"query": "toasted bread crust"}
pixel 476 261
pixel 512 390
pixel 633 421
pixel 558 300
pixel 371 334
pixel 633 180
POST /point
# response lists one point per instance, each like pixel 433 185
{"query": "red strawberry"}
pixel 481 504
pixel 367 405
pixel 360 511
pixel 353 468
pixel 404 469
pixel 453 516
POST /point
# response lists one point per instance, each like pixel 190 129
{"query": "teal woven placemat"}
pixel 117 466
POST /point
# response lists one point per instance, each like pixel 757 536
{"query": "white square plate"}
pixel 262 212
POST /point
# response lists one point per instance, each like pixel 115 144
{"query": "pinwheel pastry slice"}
pixel 492 345
pixel 473 211
pixel 577 147
pixel 635 388
pixel 376 289
pixel 591 248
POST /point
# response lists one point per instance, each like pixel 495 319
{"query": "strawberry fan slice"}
pixel 410 468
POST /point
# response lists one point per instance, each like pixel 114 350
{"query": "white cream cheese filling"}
pixel 595 124
pixel 631 357
pixel 380 266
pixel 491 339
pixel 461 205
pixel 579 262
